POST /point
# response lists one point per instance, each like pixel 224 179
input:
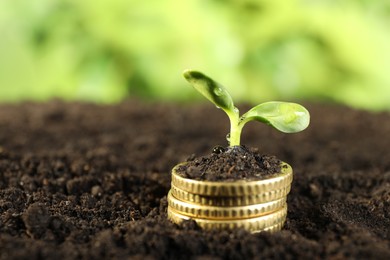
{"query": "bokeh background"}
pixel 106 51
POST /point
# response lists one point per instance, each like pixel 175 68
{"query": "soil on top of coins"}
pixel 84 181
pixel 231 164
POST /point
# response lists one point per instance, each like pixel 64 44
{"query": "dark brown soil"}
pixel 230 164
pixel 81 181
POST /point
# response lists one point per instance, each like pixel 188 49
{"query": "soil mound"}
pixel 231 164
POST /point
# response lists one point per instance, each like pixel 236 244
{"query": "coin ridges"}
pixel 270 222
pixel 230 201
pixel 232 189
pixel 215 212
pixel 273 228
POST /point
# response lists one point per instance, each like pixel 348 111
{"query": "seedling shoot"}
pixel 285 117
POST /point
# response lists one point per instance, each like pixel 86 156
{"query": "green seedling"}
pixel 285 117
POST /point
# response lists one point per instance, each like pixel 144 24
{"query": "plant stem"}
pixel 235 129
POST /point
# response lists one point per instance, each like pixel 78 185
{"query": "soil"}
pixel 83 181
pixel 228 164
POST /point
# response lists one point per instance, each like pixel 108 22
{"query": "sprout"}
pixel 286 117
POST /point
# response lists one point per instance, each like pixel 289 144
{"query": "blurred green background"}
pixel 106 51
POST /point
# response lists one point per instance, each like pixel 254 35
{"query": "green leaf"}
pixel 212 90
pixel 286 117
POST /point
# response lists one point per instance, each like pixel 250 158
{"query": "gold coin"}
pixel 270 222
pixel 230 201
pixel 233 189
pixel 273 228
pixel 225 213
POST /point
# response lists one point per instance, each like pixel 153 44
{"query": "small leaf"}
pixel 286 117
pixel 212 90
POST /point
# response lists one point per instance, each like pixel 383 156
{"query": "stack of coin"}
pixel 253 205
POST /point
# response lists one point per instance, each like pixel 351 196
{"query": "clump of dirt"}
pixel 84 181
pixel 231 164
